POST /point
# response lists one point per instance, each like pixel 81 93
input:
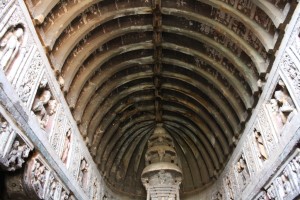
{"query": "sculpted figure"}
pixel 10 46
pixel 16 156
pixel 260 145
pixel 67 143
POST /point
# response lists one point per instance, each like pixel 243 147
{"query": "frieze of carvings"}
pixel 41 182
pixel 286 184
pixel 292 72
pixel 281 106
pixel 27 86
pixel 44 105
pixel 243 173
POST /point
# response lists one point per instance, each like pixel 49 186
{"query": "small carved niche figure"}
pixel 286 181
pixel 242 169
pixel 260 146
pixel 282 105
pixel 44 105
pixel 66 148
pixel 10 42
pixel 229 187
pixel 16 156
pixel 83 172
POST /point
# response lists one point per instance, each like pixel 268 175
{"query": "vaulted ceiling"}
pixel 196 66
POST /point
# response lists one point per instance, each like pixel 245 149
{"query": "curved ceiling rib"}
pixel 193 65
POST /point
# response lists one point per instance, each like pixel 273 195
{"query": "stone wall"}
pixel 266 162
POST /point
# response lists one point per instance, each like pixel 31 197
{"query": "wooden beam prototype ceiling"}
pixel 193 65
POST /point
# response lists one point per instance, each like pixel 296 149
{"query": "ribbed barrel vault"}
pixel 196 66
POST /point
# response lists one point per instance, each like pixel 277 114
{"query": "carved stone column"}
pixel 162 174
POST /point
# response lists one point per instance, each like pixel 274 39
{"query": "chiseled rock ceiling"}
pixel 195 65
